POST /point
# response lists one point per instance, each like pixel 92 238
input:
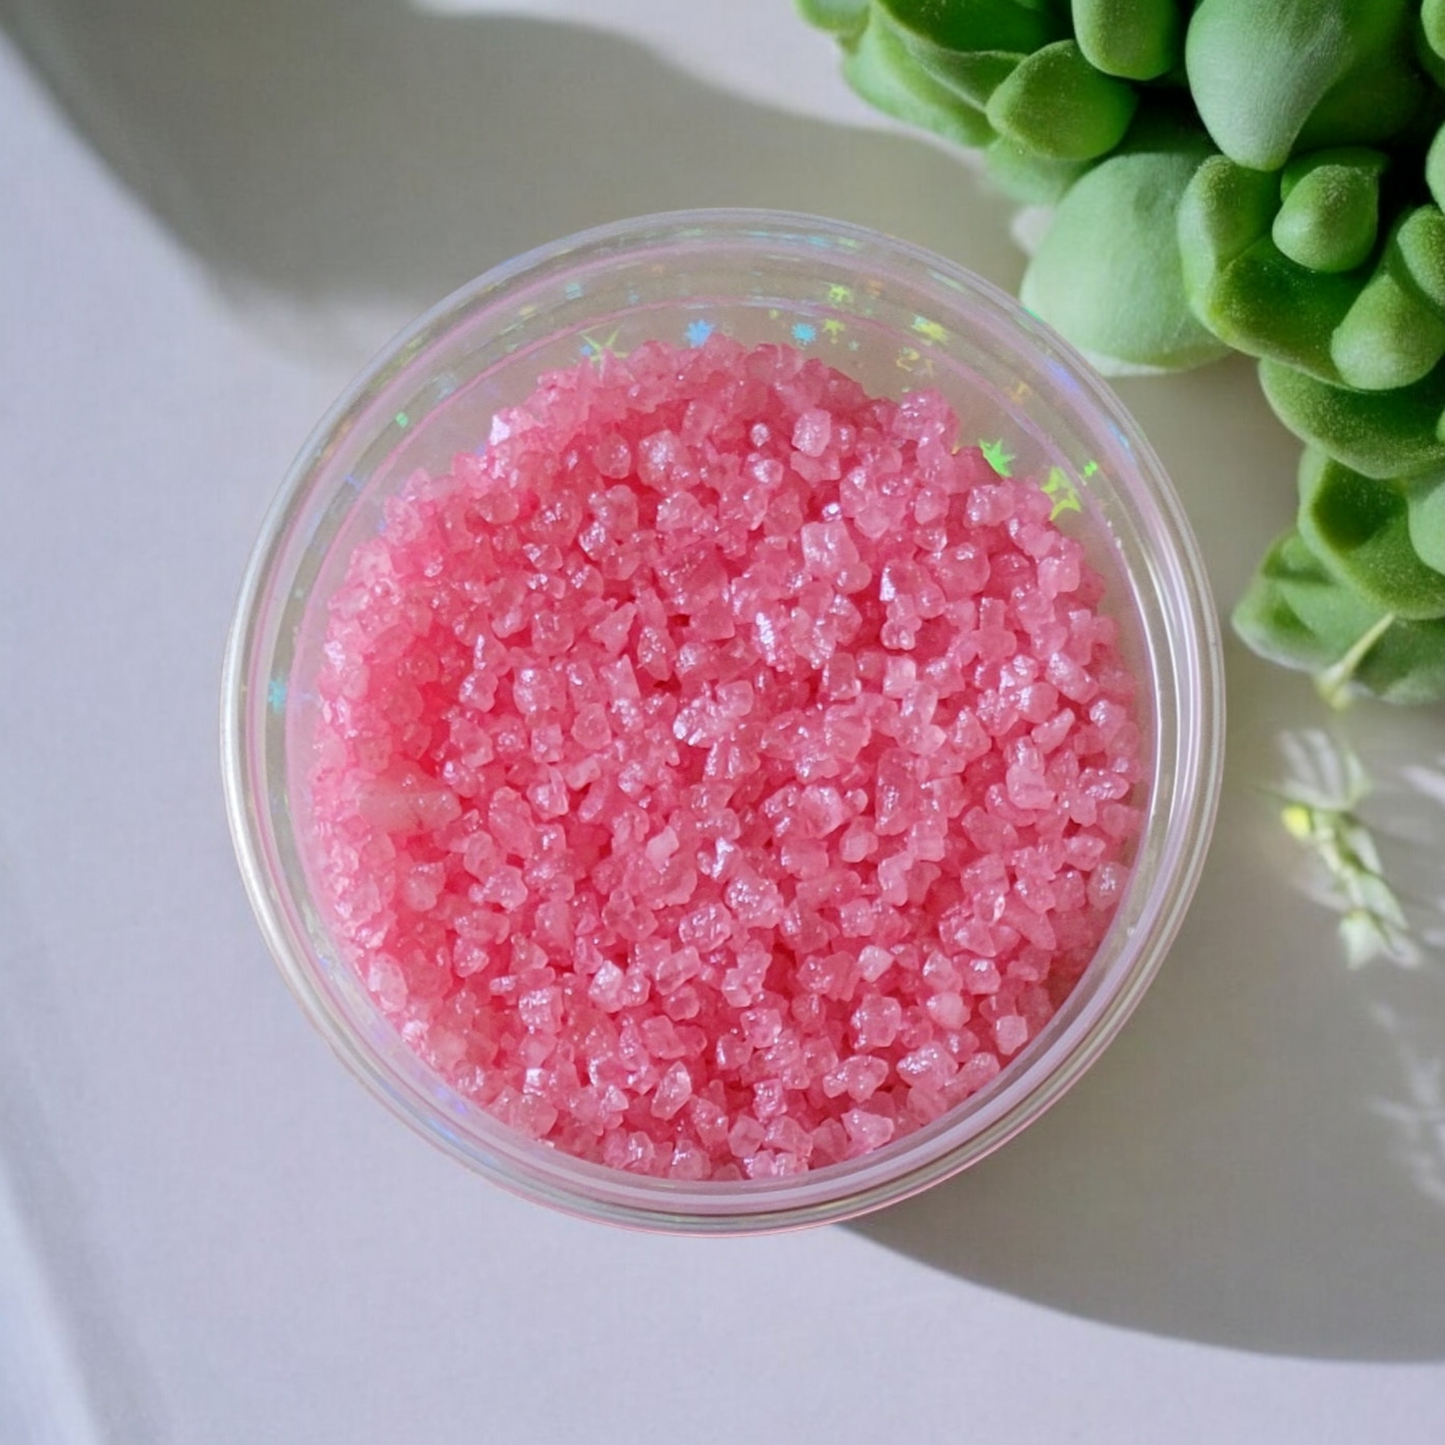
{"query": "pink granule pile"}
pixel 723 774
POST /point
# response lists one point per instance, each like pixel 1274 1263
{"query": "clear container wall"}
pixel 895 320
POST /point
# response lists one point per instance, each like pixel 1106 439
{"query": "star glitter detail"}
pixel 998 457
pixel 1061 489
pixel 930 329
pixel 840 295
pixel 276 694
pixel 595 350
pixel 804 334
pixel 832 328
pixel 698 331
pixel 910 359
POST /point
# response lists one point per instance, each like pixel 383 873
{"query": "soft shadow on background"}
pixel 1251 1163
pixel 362 152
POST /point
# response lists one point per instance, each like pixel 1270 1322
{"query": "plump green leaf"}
pixel 882 70
pixel 1107 273
pixel 1435 168
pixel 1432 25
pixel 1266 305
pixel 1330 215
pixel 1295 613
pixel 1224 210
pixel 1383 434
pixel 1430 40
pixel 1133 39
pixel 1057 104
pixel 844 18
pixel 1417 254
pixel 1029 177
pixel 1388 338
pixel 960 43
pixel 1241 285
pixel 1359 529
pixel 1374 103
pixel 962 25
pixel 1407 664
pixel 1425 500
pixel 972 74
pixel 1265 76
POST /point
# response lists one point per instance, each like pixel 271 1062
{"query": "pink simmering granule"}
pixel 722 775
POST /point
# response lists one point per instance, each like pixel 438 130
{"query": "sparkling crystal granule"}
pixel 723 774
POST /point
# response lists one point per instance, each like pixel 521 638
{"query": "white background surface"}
pixel 1233 1230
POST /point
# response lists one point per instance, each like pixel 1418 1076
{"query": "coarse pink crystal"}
pixel 724 773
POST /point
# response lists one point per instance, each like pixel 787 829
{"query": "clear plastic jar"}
pixel 895 318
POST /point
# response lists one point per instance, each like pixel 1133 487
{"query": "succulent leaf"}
pixel 1425 500
pixel 1432 25
pixel 1372 104
pixel 1266 305
pixel 843 18
pixel 1224 210
pixel 1417 255
pixel 1429 33
pixel 1242 286
pixel 880 67
pixel 1359 529
pixel 1407 664
pixel 1029 177
pixel 1383 434
pixel 964 25
pixel 1295 613
pixel 972 74
pixel 1133 39
pixel 1258 74
pixel 1057 104
pixel 1435 168
pixel 1388 338
pixel 1330 214
pixel 1108 274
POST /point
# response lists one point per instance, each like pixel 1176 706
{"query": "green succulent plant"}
pixel 1266 176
